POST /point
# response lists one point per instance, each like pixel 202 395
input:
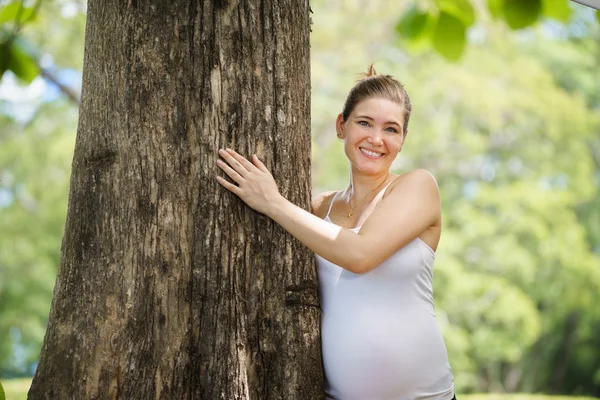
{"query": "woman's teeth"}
pixel 370 153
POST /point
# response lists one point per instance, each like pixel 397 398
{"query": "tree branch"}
pixel 67 91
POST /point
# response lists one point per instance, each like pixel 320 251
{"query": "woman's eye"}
pixel 392 130
pixel 363 123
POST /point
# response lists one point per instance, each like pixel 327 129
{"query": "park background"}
pixel 509 125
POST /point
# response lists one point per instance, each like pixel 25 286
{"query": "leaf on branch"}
pixel 9 13
pixel 495 7
pixel 449 37
pixel 22 64
pixel 461 9
pixel 413 24
pixel 557 9
pixel 519 14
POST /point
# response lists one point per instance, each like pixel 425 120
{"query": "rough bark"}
pixel 168 286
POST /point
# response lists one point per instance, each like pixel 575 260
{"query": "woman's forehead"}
pixel 377 108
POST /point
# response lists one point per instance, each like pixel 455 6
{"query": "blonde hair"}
pixel 372 85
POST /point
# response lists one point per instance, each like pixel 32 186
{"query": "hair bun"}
pixel 370 73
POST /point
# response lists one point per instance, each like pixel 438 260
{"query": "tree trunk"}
pixel 169 287
pixel 563 354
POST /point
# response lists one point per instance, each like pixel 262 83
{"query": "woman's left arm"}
pixel 400 217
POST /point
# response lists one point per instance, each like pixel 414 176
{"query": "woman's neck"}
pixel 360 186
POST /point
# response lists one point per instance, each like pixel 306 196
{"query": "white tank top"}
pixel 379 336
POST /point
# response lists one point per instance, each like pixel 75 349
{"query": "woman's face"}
pixel 372 134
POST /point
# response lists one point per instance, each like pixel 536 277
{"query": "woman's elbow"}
pixel 359 265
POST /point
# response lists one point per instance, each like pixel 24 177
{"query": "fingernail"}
pixel 228 149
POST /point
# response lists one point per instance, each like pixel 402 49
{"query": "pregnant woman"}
pixel 375 246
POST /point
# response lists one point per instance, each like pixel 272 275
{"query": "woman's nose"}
pixel 376 137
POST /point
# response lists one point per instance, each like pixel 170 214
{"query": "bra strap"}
pixel 331 204
pixel 382 192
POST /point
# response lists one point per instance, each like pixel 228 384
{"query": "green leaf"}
pixel 598 16
pixel 9 13
pixel 520 14
pixel 2 394
pixel 495 7
pixel 557 9
pixel 449 37
pixel 22 64
pixel 461 9
pixel 4 56
pixel 413 24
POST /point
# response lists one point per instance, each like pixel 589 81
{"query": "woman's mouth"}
pixel 370 153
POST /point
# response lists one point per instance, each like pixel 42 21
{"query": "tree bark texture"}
pixel 169 287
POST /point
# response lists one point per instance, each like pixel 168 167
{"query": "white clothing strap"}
pixel 381 193
pixel 331 204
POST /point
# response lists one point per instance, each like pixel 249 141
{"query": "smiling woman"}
pixel 375 247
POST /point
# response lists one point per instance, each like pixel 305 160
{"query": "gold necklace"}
pixel 364 198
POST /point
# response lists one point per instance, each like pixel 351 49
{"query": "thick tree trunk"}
pixel 168 286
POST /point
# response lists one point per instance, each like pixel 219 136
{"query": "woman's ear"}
pixel 339 127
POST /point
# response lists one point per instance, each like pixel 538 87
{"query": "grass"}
pixel 16 389
pixel 499 396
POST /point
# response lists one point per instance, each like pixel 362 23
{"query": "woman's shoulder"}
pixel 417 177
pixel 419 182
pixel 320 203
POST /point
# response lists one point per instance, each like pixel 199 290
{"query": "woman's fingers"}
pixel 255 184
pixel 259 164
pixel 241 159
pixel 229 186
pixel 238 167
pixel 233 162
pixel 233 174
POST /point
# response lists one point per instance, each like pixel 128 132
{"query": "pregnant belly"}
pixel 377 356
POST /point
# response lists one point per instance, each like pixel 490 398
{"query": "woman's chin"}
pixel 375 170
pixel 371 166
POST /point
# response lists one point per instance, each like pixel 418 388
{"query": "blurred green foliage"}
pixel 443 24
pixel 13 56
pixel 37 135
pixel 34 173
pixel 511 130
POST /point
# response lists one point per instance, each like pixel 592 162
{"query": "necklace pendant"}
pixel 349 215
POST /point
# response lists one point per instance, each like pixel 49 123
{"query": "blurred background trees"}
pixel 510 128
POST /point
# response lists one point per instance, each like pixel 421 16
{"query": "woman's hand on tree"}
pixel 255 184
